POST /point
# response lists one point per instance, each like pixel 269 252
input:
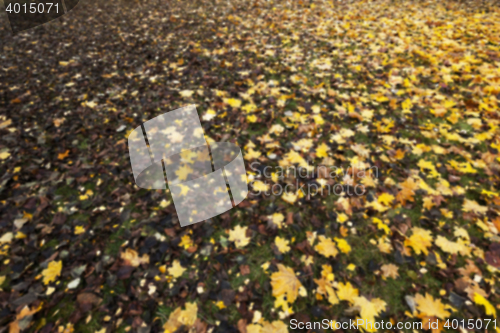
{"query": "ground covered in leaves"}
pixel 403 94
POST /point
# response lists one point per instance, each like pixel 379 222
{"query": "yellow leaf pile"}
pixel 179 317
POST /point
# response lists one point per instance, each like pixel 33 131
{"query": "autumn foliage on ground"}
pixel 405 91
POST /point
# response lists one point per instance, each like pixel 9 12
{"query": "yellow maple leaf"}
pixel 453 247
pixel 464 167
pixel 473 206
pixel 488 308
pixel 239 237
pixel 131 258
pixel 233 102
pixel 164 203
pixel 420 240
pixel 389 270
pixel 431 307
pixel 186 242
pixel 407 192
pixel 369 181
pixel 385 199
pixel 369 309
pixel 79 230
pixel 249 108
pixel 377 206
pixel 52 271
pixel 176 270
pixel 429 202
pixel 322 150
pixel 342 217
pixel 426 165
pixel 209 115
pixel 285 282
pixel 289 197
pixel 252 154
pixel 381 225
pixel 343 246
pixel 326 247
pixel 277 219
pixel 332 296
pixel 188 156
pixel 186 93
pixel 252 118
pixel 260 186
pixel 183 172
pixel 181 317
pixel 4 155
pixel 282 244
pixel 384 245
pixel 220 305
pixel 346 292
pixel 184 189
pixel 318 119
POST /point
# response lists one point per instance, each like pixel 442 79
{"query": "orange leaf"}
pixel 62 156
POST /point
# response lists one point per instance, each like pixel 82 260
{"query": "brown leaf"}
pixel 192 249
pixel 469 269
pixel 227 296
pixel 44 203
pixel 170 232
pixel 306 128
pixel 492 259
pixel 59 219
pixel 200 326
pixel 244 269
pixel 262 229
pixel 124 272
pixel 87 300
pixel 242 326
pixel 462 283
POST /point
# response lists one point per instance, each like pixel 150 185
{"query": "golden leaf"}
pixel 346 292
pixel 326 247
pixel 282 244
pixel 420 240
pixel 431 307
pixel 239 237
pixel 488 308
pixel 389 270
pixel 176 270
pixel 131 258
pixel 284 282
pixel 181 317
pixel 52 271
